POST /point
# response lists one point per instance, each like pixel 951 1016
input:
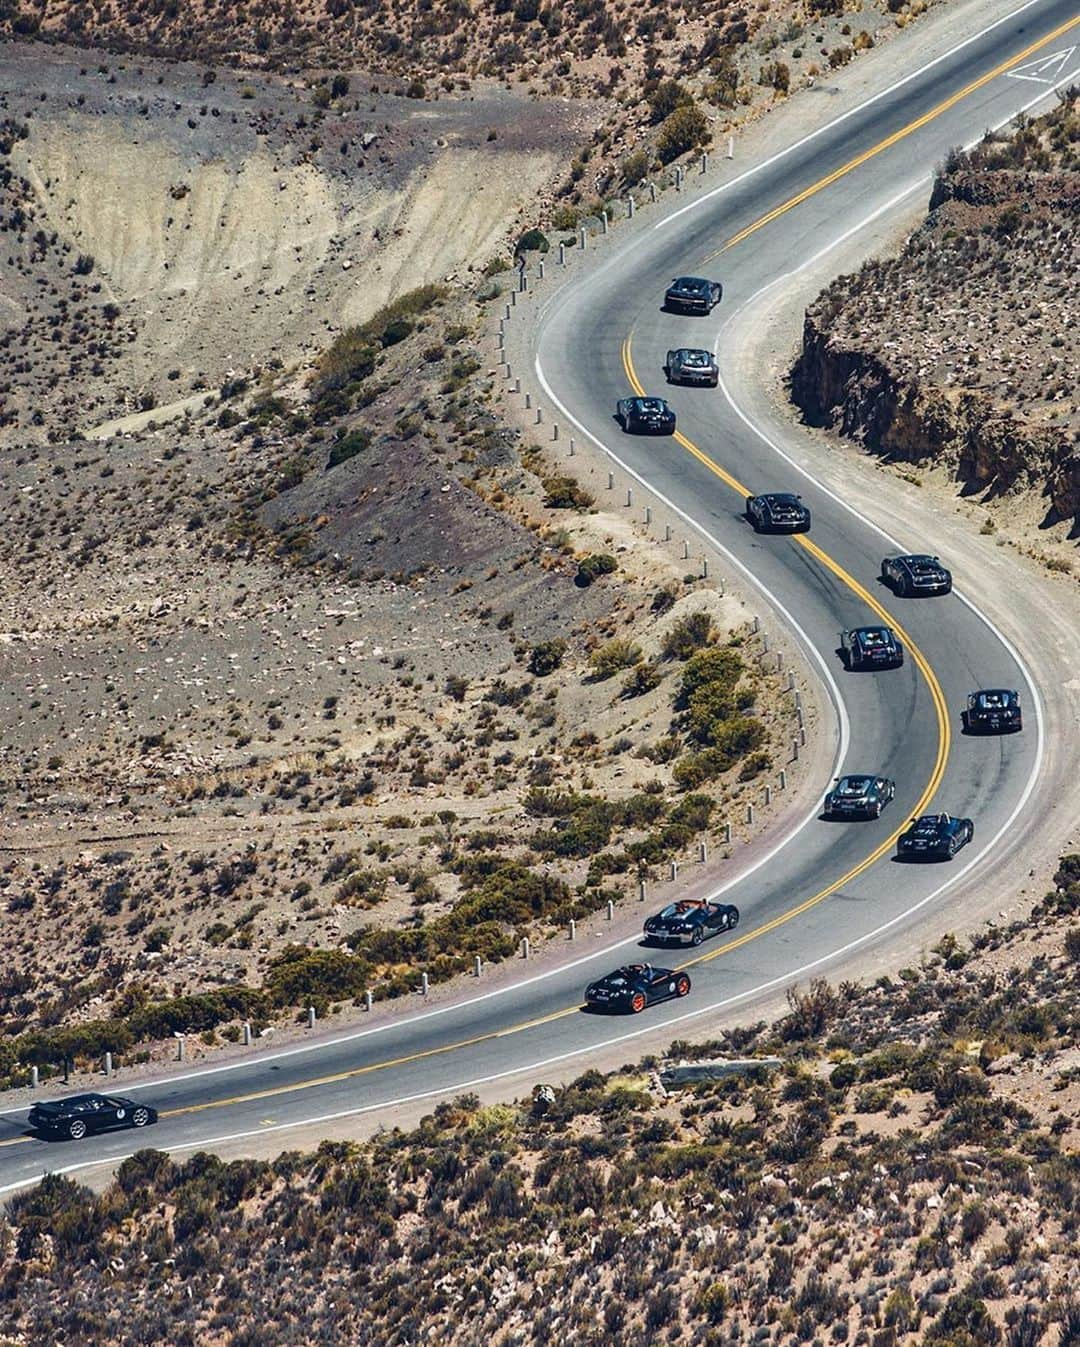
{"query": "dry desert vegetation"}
pixel 316 676
pixel 907 1176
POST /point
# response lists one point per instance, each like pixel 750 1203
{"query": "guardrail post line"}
pixel 794 750
pixel 555 430
pixel 539 415
pixel 704 568
pixel 541 268
pixel 528 401
pixel 678 177
pixel 704 161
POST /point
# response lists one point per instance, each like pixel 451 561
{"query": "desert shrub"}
pixel 362 888
pixel 690 633
pixel 666 98
pixel 753 765
pixel 564 493
pixel 686 129
pixel 351 357
pixel 546 657
pixel 642 678
pixel 300 974
pixel 350 444
pixel 592 567
pixel 634 167
pixel 810 1012
pixel 533 241
pixel 614 655
pixel 564 217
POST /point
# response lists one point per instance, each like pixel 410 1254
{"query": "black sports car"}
pixel 651 416
pixel 692 294
pixel 871 648
pixel 634 987
pixel 690 921
pixel 911 576
pixel 778 512
pixel 859 795
pixel 936 837
pixel 690 366
pixel 994 710
pixel 82 1113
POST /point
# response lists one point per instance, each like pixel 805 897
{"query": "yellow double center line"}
pixel 1001 69
pixel 815 551
pixel 921 662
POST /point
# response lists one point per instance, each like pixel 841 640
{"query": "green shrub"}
pixel 564 493
pixel 532 241
pixel 690 633
pixel 614 655
pixel 642 678
pixel 546 657
pixel 666 98
pixel 686 129
pixel 591 567
pixel 353 442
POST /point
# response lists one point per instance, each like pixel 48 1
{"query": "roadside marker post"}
pixel 369 999
pixel 247 1033
pixel 749 813
pixel 674 871
pixel 311 1017
pixel 179 1045
pixel 477 966
pixel 573 929
pixel 641 890
pixel 562 254
pixel 731 147
pixel 424 984
pixel 703 852
pixel 525 947
pixel 610 910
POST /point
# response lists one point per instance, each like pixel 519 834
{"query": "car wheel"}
pixel 697 937
pixel 637 1002
pixel 76 1129
pixel 733 920
pixel 682 987
pixel 140 1117
pixel 875 812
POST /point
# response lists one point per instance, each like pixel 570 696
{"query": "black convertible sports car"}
pixel 871 648
pixel 634 987
pixel 994 710
pixel 934 837
pixel 651 416
pixel 912 576
pixel 692 294
pixel 690 366
pixel 778 512
pixel 690 921
pixel 82 1113
pixel 859 795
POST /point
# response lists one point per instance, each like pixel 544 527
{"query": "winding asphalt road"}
pixel 832 888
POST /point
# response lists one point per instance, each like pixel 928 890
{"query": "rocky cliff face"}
pixel 963 349
pixel 856 392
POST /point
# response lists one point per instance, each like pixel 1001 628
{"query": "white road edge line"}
pixel 843 117
pixel 841 709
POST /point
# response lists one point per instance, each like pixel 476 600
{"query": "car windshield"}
pixel 690 283
pixel 873 636
pixel 784 499
pixel 695 357
pixel 930 823
pixel 651 405
pixel 854 785
pixel 922 563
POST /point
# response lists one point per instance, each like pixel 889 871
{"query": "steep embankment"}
pixel 963 350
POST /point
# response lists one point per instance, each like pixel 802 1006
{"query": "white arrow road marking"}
pixel 1046 70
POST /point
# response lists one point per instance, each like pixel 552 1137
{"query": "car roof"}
pixel 922 558
pixel 857 776
pixel 650 403
pixel 783 496
pixel 994 692
pixel 696 281
pixel 871 633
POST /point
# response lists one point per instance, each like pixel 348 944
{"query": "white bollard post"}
pixel 794 750
pixel 108 1063
pixel 667 533
pixel 369 999
pixel 525 947
pixel 652 191
pixel 629 497
pixel 630 207
pixel 424 984
pixel 648 514
pixel 641 891
pixel 731 147
pixel 33 1077
pixel 727 834
pixel 610 910
pixel 528 401
pixel 678 177
pixel 583 238
pixel 603 221
pixel 768 794
pixel 674 870
pixel 555 431
pixel 685 550
pixel 799 717
pixel 704 568
pixel 757 625
pixel 246 1033
pixel 477 966
pixel 704 161
pixel 783 779
pixel 703 852
pixel 562 254
pixel 539 415
pixel 541 268
pixel 573 929
pixel 749 813
pixel 311 1017
pixel 611 481
pixel 507 313
pixel 571 446
pixel 179 1045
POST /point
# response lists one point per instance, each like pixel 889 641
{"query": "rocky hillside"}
pixel 963 350
pixel 909 1176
